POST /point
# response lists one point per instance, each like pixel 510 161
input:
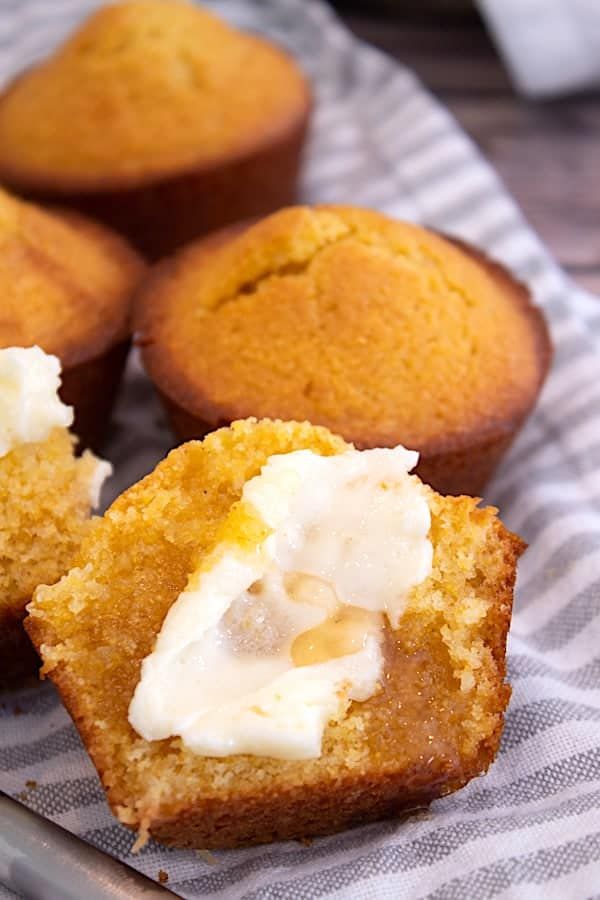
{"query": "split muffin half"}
pixel 274 636
pixel 46 494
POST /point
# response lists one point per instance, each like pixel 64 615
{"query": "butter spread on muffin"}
pixel 381 330
pixel 293 624
pixel 29 403
pixel 160 119
pixel 45 492
pixel 433 724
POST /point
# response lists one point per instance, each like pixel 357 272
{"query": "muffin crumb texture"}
pixel 434 724
pixel 44 514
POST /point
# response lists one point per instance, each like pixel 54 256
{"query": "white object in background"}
pixel 550 46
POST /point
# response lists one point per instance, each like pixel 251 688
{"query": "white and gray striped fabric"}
pixel 531 827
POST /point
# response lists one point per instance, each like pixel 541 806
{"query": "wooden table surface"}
pixel 548 153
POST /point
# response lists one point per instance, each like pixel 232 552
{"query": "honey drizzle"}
pixel 344 631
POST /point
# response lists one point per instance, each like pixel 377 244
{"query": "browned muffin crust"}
pixel 163 215
pixel 67 284
pixel 455 470
pixel 157 196
pixel 455 462
pixel 159 218
pixel 91 376
pixel 91 388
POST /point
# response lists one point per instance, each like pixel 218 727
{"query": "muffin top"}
pixel 381 330
pixel 172 85
pixel 65 282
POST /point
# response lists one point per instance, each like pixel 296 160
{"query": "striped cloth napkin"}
pixel 531 827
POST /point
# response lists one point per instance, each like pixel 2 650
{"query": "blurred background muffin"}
pixel 382 331
pixel 159 119
pixel 66 285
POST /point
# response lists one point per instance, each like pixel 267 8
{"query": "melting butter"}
pixel 345 629
pixel 265 647
pixel 30 408
pixel 344 632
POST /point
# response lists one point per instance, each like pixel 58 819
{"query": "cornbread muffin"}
pixel 433 724
pixel 160 120
pixel 46 494
pixel 45 501
pixel 383 331
pixel 66 285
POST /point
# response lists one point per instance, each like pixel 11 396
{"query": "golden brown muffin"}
pixel 45 502
pixel 435 723
pixel 159 119
pixel 66 285
pixel 380 330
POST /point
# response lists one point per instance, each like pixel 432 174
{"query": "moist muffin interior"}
pixel 44 514
pixel 435 723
